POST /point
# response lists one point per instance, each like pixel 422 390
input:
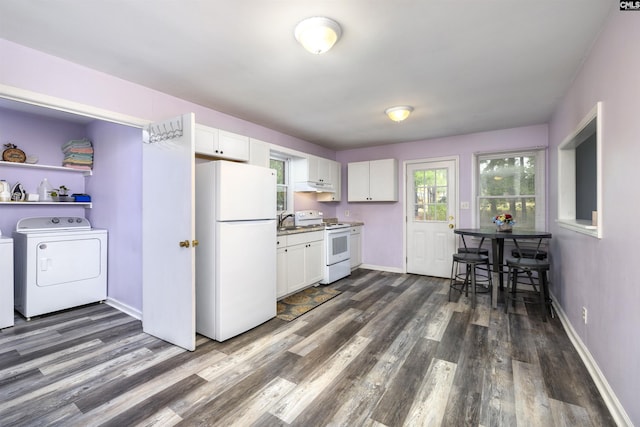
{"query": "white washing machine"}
pixel 59 263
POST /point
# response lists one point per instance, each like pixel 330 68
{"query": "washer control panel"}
pixel 53 223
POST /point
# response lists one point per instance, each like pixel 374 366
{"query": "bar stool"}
pixel 471 258
pixel 528 264
pixel 483 274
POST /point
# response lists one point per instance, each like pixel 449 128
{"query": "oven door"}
pixel 337 245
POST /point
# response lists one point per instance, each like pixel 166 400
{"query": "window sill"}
pixel 581 226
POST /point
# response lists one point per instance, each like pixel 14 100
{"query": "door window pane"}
pixel 431 187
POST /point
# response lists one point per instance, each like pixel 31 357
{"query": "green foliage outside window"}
pixel 507 185
pixel 281 183
pixel 430 202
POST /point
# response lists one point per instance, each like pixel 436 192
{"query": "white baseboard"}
pixel 381 268
pixel 135 313
pixel 613 404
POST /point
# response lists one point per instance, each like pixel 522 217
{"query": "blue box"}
pixel 82 197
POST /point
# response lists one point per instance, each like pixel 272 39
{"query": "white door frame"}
pixel 405 165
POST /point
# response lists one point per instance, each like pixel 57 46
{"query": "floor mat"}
pixel 299 303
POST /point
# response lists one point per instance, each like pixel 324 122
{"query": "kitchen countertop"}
pixel 283 231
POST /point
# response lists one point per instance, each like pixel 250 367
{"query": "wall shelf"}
pixel 86 205
pixel 46 167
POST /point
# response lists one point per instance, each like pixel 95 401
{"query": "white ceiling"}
pixel 465 65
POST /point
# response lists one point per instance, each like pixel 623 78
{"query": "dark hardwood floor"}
pixel 389 351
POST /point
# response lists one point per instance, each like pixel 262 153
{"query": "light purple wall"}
pixel 383 239
pixel 116 191
pixel 602 274
pixel 41 137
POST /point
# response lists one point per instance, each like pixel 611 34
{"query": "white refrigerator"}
pixel 236 255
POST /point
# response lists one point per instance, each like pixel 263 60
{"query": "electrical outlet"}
pixel 464 205
pixel 347 213
pixel 584 315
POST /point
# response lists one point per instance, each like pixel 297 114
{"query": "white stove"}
pixel 336 244
pixel 335 225
pixel 314 218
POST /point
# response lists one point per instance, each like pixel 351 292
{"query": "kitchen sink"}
pixel 292 227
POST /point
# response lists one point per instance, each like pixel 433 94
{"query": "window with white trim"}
pixel 511 182
pixel 284 195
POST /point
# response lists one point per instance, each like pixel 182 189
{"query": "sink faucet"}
pixel 282 217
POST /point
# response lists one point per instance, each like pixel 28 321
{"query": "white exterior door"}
pixel 168 232
pixel 431 209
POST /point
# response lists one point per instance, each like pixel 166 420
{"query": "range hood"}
pixel 313 187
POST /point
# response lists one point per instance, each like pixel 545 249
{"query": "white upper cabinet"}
pixel 312 169
pixel 219 143
pixel 373 181
pixel 336 181
pixel 259 153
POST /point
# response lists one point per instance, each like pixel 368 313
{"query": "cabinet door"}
pixel 258 153
pixel 324 170
pixel 233 146
pixel 206 140
pixel 358 182
pixel 295 267
pixel 313 261
pixel 383 180
pixel 356 247
pixel 336 181
pixel 281 273
pixel 312 169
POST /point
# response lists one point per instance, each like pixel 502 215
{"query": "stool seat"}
pixel 529 253
pixel 481 251
pixel 471 258
pixel 528 263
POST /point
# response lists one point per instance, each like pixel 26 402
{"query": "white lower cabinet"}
pixel 356 246
pixel 299 261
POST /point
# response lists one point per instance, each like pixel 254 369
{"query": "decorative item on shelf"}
pixel 13 154
pixel 504 222
pixel 62 195
pixel 17 193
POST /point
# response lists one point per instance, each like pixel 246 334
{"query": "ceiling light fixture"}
pixel 399 113
pixel 318 34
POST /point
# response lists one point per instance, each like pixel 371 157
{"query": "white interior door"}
pixel 168 226
pixel 431 201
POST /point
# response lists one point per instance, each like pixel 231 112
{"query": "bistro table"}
pixel 497 249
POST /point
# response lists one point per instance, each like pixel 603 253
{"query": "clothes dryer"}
pixel 59 263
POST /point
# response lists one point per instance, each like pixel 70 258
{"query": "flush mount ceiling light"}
pixel 318 34
pixel 399 113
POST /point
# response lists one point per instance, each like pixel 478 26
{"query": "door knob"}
pixel 195 243
pixel 184 244
pixel 451 226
